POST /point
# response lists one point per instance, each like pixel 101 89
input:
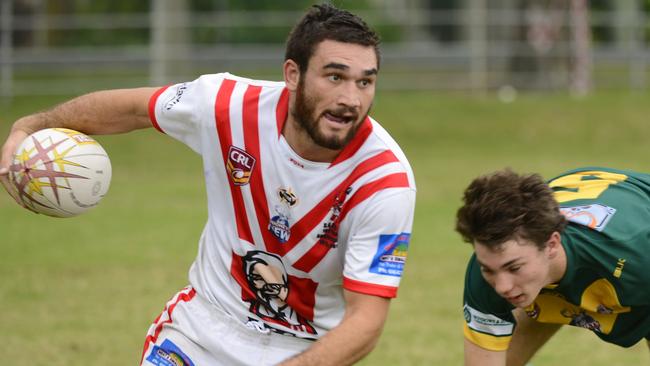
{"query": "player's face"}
pixel 517 269
pixel 335 93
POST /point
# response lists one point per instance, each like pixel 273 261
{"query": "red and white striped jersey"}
pixel 286 235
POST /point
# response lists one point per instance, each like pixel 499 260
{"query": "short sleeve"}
pixel 184 110
pixel 379 242
pixel 489 322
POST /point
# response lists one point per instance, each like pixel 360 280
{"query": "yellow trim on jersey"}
pixel 579 188
pixel 602 293
pixel 486 341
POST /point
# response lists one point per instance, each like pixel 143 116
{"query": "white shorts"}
pixel 193 332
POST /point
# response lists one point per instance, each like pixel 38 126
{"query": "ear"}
pixel 554 244
pixel 291 74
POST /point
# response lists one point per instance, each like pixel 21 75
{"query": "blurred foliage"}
pixel 254 28
pixel 215 5
pixel 268 34
pixel 600 32
pixel 646 11
pixel 251 31
pixel 95 6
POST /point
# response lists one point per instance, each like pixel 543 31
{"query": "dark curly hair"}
pixel 326 22
pixel 504 205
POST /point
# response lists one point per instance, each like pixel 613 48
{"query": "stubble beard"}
pixel 304 112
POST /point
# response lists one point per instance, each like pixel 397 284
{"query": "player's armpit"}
pixel 477 356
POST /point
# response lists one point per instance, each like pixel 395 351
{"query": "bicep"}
pixel 131 108
pixel 367 311
pixel 356 302
pixel 477 356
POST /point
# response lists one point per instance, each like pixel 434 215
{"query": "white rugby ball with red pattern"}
pixel 60 172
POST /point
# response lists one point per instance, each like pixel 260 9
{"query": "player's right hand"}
pixel 16 136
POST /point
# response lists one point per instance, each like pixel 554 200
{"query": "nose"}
pixel 503 284
pixel 350 96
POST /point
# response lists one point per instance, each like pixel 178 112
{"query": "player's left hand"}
pixel 11 144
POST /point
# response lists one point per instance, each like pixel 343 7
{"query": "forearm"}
pixel 102 112
pixel 477 356
pixel 352 339
pixel 343 345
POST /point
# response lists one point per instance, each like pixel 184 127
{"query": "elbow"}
pixel 372 333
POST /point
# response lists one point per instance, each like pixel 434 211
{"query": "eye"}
pixel 334 77
pixel 514 269
pixel 486 271
pixel 364 83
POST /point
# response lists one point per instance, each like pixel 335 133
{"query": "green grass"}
pixel 84 290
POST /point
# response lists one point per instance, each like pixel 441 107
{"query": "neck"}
pixel 558 265
pixel 304 145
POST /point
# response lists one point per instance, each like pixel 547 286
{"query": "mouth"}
pixel 516 299
pixel 340 118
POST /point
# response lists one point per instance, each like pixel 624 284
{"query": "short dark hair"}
pixel 326 22
pixel 504 205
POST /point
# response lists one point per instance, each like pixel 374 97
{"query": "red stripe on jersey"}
pixel 152 107
pixel 319 250
pixel 222 117
pixel 369 288
pixel 362 135
pixel 307 223
pixel 252 142
pixel 282 110
pixel 396 180
pixel 238 272
pixel 169 309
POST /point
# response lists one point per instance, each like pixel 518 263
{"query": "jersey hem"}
pixel 369 288
pixel 152 108
pixel 486 341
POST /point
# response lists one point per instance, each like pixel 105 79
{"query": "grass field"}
pixel 83 291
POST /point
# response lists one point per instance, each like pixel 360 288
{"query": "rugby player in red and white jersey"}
pixel 310 202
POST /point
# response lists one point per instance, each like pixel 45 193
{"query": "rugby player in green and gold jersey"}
pixel 571 251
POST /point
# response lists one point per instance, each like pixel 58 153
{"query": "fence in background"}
pixel 549 45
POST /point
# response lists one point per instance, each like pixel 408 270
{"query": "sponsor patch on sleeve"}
pixel 391 254
pixel 486 323
pixel 168 354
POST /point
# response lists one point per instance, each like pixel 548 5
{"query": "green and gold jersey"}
pixel 606 287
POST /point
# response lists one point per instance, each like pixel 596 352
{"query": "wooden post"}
pixel 478 45
pixel 6 49
pixel 169 41
pixel 581 83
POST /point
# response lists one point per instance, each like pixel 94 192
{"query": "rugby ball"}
pixel 60 172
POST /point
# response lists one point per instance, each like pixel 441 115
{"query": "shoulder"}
pixel 606 204
pixel 381 141
pixel 602 176
pixel 221 77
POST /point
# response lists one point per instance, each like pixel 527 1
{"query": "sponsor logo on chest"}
pixel 329 235
pixel 280 224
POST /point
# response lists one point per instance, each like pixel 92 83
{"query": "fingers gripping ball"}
pixel 60 172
